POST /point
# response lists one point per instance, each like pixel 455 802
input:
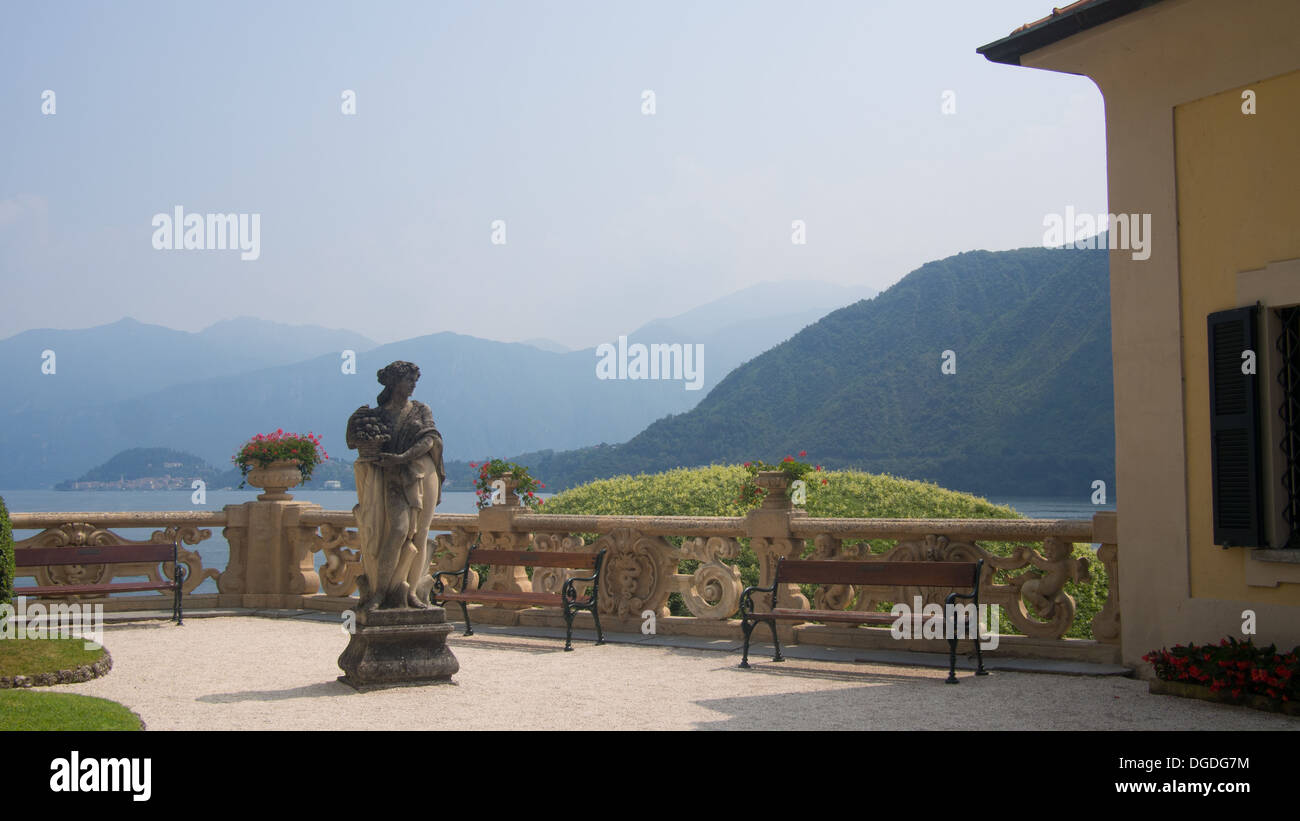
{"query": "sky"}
pixel 518 120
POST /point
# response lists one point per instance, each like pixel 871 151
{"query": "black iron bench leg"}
pixel 595 614
pixel 777 642
pixel 464 611
pixel 568 629
pixel 747 626
pixel 979 653
pixel 178 607
pixel 952 658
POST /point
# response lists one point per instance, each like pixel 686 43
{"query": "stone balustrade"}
pixel 273 562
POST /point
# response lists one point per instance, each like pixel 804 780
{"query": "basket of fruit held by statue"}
pixel 368 432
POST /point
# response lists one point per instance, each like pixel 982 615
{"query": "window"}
pixel 1255 418
pixel 1287 383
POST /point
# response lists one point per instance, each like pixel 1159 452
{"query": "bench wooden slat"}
pixel 536 599
pixel 78 589
pixel 917 574
pixel 533 558
pixel 853 616
pixel 92 554
pixel 844 616
pixel 498 596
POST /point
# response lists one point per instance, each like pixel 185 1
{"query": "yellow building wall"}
pixel 1238 191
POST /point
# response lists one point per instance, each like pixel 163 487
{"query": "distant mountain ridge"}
pixel 1028 410
pixel 126 384
pixel 129 358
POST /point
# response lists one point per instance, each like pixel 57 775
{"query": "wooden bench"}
pixel 960 575
pixel 568 598
pixel 129 553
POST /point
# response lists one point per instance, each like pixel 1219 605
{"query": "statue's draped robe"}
pixel 395 506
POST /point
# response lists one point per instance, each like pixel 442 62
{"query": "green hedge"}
pixel 6 556
pixel 714 491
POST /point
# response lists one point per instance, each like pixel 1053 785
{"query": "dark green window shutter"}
pixel 1235 462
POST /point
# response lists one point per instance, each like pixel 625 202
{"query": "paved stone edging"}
pixel 84 672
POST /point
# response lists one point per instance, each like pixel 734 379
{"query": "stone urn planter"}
pixel 275 478
pixel 511 496
pixel 777 486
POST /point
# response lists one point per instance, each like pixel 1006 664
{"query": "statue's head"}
pixel 392 375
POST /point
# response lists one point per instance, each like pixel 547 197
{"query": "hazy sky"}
pixel 523 111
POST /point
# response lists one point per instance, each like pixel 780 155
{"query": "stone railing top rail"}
pixel 558 523
pixel 344 518
pixel 126 518
pixel 800 526
pixel 1080 530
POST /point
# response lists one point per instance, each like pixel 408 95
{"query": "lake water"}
pixel 215 551
pixel 1046 508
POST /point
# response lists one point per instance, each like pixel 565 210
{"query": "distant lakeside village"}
pixel 139 469
pixel 167 482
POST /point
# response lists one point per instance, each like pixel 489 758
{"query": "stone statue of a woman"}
pixel 399 476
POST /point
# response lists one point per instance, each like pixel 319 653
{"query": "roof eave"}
pixel 1067 23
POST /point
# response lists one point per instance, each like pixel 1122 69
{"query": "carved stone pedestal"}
pixel 399 646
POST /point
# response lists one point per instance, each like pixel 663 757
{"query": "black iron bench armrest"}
pixel 747 596
pixel 439 587
pixel 570 594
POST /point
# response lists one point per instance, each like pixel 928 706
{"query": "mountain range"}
pixel 1024 406
pixel 130 384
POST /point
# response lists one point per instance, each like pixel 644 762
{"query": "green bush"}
pixel 712 491
pixel 6 556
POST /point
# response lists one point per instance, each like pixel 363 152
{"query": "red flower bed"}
pixel 1237 669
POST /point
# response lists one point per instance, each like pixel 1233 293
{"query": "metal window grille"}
pixel 1288 377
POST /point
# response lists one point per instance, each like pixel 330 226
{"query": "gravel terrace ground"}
pixel 237 673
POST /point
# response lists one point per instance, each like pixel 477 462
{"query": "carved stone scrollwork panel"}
pixel 713 590
pixel 552 579
pixel 341 549
pixel 637 574
pixel 195 572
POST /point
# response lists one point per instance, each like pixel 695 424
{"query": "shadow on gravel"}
pixel 318 690
pixel 794 671
pixel 822 710
pixel 489 644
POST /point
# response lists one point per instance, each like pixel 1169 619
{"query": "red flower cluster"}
pixel 525 485
pixel 751 494
pixel 1240 668
pixel 265 448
